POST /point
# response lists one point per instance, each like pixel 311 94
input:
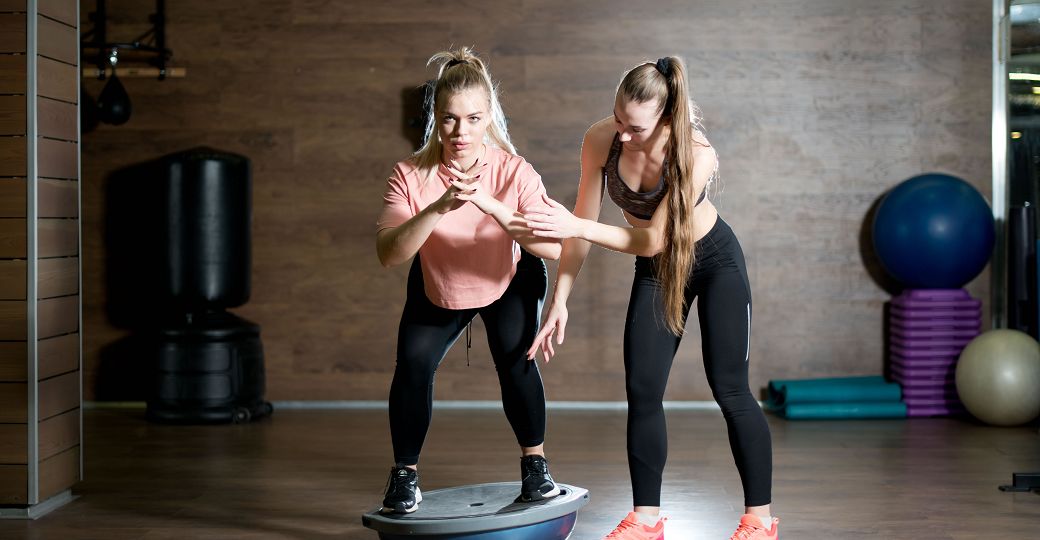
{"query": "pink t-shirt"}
pixel 468 260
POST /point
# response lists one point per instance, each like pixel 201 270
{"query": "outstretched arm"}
pixel 557 222
pixel 590 196
pixel 511 220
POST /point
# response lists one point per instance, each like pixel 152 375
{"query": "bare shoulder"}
pixel 700 139
pixel 702 148
pixel 598 138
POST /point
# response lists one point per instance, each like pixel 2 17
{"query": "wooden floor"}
pixel 311 474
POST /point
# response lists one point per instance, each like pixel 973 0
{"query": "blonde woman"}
pixel 655 164
pixel 456 207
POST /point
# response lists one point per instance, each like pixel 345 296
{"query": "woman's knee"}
pixel 645 395
pixel 415 369
pixel 734 399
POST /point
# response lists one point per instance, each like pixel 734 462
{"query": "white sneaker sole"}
pixel 542 496
pixel 413 508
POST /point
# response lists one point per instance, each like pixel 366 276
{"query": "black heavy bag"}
pixel 209 363
pixel 208 211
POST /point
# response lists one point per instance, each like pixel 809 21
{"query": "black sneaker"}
pixel 537 483
pixel 402 491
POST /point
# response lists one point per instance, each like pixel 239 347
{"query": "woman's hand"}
pixel 448 201
pixel 451 200
pixel 554 221
pixel 469 189
pixel 555 322
pixel 474 193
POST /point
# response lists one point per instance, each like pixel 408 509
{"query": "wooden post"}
pixel 40 307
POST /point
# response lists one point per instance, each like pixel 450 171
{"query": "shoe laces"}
pixel 622 530
pixel 399 478
pixel 743 532
pixel 535 466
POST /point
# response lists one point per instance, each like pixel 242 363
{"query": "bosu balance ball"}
pixel 483 512
pixel 933 231
pixel 998 377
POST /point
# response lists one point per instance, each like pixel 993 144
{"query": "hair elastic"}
pixel 664 65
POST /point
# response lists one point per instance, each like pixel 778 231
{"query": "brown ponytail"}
pixel 665 81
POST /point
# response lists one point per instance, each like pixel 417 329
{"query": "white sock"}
pixel 648 519
pixel 767 521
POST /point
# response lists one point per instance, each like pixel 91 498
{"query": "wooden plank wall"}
pixel 14 432
pixel 57 226
pixel 815 106
pixel 58 236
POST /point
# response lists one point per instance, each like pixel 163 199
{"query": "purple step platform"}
pixel 922 361
pixel 931 392
pixel 927 330
pixel 934 294
pixel 934 410
pixel 921 383
pixel 956 298
pixel 921 380
pixel 926 334
pixel 943 352
pixel 928 402
pixel 914 372
pixel 918 313
pixel 935 324
pixel 954 343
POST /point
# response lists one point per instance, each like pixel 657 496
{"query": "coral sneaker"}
pixel 751 529
pixel 631 529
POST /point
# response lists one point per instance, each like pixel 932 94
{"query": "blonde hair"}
pixel 665 82
pixel 460 70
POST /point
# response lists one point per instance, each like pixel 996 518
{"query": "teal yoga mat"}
pixel 833 411
pixel 867 389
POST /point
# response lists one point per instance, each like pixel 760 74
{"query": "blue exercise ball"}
pixel 933 231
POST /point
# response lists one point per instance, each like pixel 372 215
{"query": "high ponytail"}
pixel 460 70
pixel 665 81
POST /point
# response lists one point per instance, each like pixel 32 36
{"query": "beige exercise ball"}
pixel 998 377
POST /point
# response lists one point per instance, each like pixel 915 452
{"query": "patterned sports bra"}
pixel 640 204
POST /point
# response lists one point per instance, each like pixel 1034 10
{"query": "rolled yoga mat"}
pixel 832 390
pixel 835 410
pixel 838 397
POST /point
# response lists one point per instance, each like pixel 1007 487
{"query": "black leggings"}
pixel 719 282
pixel 427 332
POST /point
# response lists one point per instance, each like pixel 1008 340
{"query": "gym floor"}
pixel 312 473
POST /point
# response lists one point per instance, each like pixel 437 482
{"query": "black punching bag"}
pixel 207 219
pixel 209 362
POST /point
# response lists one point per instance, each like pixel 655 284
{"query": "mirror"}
pixel 1017 41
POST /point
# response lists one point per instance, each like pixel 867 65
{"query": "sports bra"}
pixel 640 204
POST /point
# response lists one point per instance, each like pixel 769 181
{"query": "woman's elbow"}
pixel 385 255
pixel 654 246
pixel 547 250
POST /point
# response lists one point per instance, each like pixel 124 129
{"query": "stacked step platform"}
pixel 928 329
